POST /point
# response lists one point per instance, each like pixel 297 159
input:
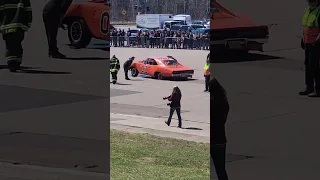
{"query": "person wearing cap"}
pixel 126 67
pixel 207 73
pixel 114 68
pixel 310 42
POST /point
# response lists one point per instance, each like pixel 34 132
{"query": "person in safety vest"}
pixel 53 14
pixel 310 42
pixel 15 20
pixel 207 73
pixel 114 68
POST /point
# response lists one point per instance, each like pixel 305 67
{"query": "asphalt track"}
pixel 273 129
pixel 55 113
pixel 143 95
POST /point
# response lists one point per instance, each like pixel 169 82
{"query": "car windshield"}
pixel 170 62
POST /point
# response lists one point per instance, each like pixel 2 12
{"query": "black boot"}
pixel 13 66
pixel 57 55
pixel 306 92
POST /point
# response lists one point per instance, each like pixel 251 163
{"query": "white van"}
pixel 186 19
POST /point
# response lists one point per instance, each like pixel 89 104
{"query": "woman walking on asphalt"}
pixel 175 105
pixel 219 109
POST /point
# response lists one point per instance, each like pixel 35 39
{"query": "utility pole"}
pixel 145 6
pixel 184 6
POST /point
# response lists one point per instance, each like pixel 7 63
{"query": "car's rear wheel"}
pixel 134 72
pixel 79 33
pixel 158 76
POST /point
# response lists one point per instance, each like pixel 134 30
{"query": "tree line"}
pixel 126 10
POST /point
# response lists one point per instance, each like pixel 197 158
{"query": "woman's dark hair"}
pixel 176 90
pixel 217 91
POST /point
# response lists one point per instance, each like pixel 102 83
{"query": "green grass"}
pixel 147 157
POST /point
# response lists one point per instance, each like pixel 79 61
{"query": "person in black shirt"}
pixel 53 14
pixel 175 105
pixel 126 67
pixel 219 109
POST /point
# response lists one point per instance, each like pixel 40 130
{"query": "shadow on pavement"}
pixel 86 58
pixel 30 71
pixel 22 67
pixel 192 128
pixel 120 83
pixel 229 58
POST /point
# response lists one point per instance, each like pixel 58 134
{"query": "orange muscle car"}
pixel 161 68
pixel 229 31
pixel 86 21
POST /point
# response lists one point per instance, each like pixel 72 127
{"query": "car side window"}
pixel 145 61
pixel 152 62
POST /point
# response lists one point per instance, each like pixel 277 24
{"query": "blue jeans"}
pixel 172 109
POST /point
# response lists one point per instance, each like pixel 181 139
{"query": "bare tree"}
pixel 196 8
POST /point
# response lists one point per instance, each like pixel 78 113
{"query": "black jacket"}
pixel 175 100
pixel 56 8
pixel 219 110
pixel 127 64
pixel 15 15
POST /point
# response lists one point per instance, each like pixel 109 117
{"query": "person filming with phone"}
pixel 175 105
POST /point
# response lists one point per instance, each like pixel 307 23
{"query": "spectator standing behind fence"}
pixel 161 39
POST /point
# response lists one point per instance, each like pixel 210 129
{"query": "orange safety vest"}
pixel 207 70
pixel 310 24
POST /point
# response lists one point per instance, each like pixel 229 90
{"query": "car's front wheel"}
pixel 79 33
pixel 134 72
pixel 158 76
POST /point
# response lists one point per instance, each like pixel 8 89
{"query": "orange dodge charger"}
pixel 87 20
pixel 161 68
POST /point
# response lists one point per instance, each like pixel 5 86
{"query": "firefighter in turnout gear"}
pixel 207 74
pixel 126 67
pixel 53 14
pixel 311 45
pixel 15 20
pixel 114 68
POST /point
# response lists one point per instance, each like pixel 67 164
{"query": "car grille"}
pixel 186 71
pixel 256 32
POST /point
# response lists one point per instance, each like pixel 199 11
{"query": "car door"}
pixel 152 66
pixel 144 66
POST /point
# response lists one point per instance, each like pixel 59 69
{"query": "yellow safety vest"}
pixel 310 25
pixel 207 69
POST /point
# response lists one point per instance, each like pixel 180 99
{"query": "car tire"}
pixel 158 76
pixel 134 72
pixel 79 33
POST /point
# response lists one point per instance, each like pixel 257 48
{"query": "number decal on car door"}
pixel 104 23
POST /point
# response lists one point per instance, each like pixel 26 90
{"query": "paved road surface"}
pixel 55 113
pixel 273 129
pixel 143 97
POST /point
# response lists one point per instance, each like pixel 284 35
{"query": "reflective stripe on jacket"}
pixel 15 15
pixel 310 23
pixel 114 65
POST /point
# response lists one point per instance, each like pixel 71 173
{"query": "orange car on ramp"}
pixel 229 31
pixel 161 68
pixel 87 20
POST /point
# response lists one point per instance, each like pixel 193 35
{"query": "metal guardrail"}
pixel 158 42
pixel 122 23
